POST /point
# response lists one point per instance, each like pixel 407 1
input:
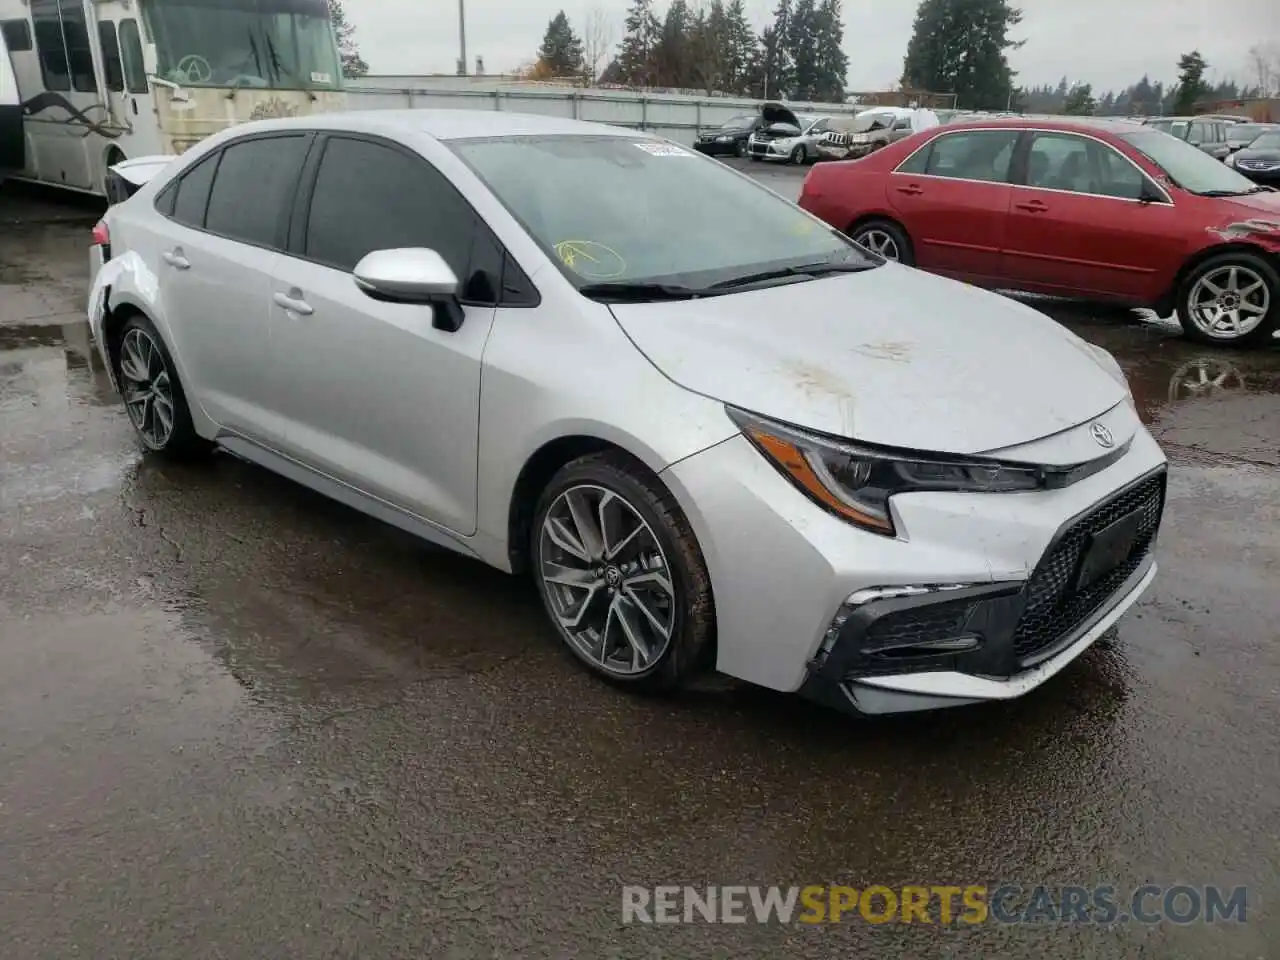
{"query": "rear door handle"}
pixel 911 190
pixel 294 304
pixel 1032 206
pixel 175 259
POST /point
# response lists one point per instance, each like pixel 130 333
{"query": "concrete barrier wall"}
pixel 673 116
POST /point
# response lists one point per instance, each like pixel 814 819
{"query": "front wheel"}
pixel 739 149
pixel 885 238
pixel 1233 298
pixel 800 156
pixel 621 575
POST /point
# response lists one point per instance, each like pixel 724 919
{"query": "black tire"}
pixel 740 149
pixel 756 159
pixel 800 156
pixel 1257 266
pixel 181 441
pixel 692 608
pixel 906 252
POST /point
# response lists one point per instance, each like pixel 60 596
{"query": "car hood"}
pixel 891 356
pixel 1254 206
pixel 777 113
pixel 1271 153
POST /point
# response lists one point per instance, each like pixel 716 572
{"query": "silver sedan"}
pixel 716 432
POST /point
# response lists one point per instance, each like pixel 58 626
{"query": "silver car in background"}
pixel 715 432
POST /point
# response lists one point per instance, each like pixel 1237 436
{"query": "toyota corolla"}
pixel 715 431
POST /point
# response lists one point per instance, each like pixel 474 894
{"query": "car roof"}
pixel 446 124
pixel 1115 125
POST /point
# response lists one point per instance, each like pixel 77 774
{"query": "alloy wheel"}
pixel 607 580
pixel 881 242
pixel 1229 302
pixel 148 388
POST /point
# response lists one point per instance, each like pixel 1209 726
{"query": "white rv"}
pixel 12 157
pixel 105 81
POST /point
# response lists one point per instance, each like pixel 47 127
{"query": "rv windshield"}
pixel 275 44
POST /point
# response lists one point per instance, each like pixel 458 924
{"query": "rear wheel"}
pixel 153 396
pixel 885 238
pixel 1233 298
pixel 621 575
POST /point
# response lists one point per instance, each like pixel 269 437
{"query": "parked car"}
pixel 778 122
pixel 789 143
pixel 1260 161
pixel 1207 134
pixel 1077 208
pixel 1240 135
pixel 869 131
pixel 730 138
pixel 954 494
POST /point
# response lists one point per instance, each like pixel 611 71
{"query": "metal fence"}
pixel 673 116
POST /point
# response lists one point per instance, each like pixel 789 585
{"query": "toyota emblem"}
pixel 1102 435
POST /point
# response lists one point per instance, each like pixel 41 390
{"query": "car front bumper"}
pixel 974 601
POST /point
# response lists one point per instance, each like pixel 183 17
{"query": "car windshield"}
pixel 737 123
pixel 1189 167
pixel 1244 132
pixel 1268 141
pixel 275 44
pixel 872 121
pixel 658 213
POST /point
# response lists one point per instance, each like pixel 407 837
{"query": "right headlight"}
pixel 856 482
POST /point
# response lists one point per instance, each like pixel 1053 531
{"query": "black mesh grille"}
pixel 937 621
pixel 1054 606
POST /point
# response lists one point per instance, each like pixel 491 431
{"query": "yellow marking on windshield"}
pixel 591 259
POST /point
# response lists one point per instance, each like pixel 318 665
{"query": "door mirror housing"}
pixel 412 275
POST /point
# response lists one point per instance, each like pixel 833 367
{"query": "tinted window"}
pixel 17 35
pixel 902 124
pixel 193 192
pixel 49 45
pixel 1080 165
pixel 111 56
pixel 255 182
pixel 372 197
pixel 918 162
pixel 977 155
pixel 135 74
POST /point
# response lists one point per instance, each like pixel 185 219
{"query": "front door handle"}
pixel 175 259
pixel 294 304
pixel 912 190
pixel 1032 206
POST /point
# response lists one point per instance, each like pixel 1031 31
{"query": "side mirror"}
pixel 412 275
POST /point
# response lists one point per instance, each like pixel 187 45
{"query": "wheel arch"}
pixel 1169 302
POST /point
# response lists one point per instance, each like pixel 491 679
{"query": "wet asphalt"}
pixel 239 721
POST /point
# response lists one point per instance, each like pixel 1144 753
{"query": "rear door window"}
pixel 192 198
pixel 254 188
pixel 984 155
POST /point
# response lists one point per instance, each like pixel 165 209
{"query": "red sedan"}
pixel 1104 210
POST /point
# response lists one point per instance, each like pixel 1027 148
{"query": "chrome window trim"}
pixel 897 171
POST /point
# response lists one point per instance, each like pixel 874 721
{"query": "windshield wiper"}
pixel 622 291
pixel 1230 193
pixel 809 270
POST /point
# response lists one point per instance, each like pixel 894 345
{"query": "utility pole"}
pixel 462 38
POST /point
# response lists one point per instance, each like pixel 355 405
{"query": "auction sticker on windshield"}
pixel 663 150
pixel 592 260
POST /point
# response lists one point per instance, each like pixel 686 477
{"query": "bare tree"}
pixel 1264 62
pixel 597 41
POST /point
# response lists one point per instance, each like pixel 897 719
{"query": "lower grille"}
pixel 1055 607
pixel 935 621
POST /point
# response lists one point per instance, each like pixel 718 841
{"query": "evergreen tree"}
pixel 353 64
pixel 712 49
pixel 1080 101
pixel 776 71
pixel 1191 85
pixel 960 47
pixel 802 47
pixel 674 46
pixel 637 54
pixel 741 49
pixel 561 52
pixel 832 63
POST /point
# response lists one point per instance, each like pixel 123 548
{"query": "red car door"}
pixel 953 197
pixel 1088 222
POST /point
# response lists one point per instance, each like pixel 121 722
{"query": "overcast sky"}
pixel 1109 43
